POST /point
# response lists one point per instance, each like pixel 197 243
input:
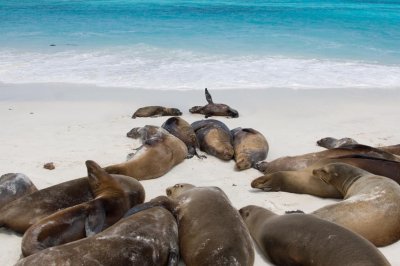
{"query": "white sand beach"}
pixel 69 124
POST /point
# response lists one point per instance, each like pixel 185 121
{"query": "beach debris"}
pixel 49 166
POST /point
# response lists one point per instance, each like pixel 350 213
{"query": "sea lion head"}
pixel 174 111
pixel 252 213
pixel 233 113
pixel 178 189
pixel 326 142
pixel 145 132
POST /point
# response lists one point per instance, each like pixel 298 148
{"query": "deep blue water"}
pixel 191 44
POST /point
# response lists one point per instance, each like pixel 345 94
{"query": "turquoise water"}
pixel 192 44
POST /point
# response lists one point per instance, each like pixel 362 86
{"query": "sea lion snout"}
pixel 233 113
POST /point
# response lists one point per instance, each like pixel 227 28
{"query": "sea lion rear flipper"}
pixel 208 96
pixel 95 220
pixel 173 258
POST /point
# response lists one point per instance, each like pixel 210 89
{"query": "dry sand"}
pixel 69 124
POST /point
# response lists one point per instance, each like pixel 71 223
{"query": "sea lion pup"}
pixel 250 147
pixel 291 163
pixel 303 181
pixel 214 138
pixel 214 109
pixel 149 237
pixel 330 143
pixel 109 205
pixel 211 231
pixel 14 186
pixel 183 131
pixel 370 206
pixel 159 153
pixel 156 111
pixel 301 239
pixel 21 213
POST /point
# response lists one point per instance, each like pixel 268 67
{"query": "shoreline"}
pixel 68 124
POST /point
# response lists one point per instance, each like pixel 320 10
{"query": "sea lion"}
pixel 160 152
pixel 14 186
pixel 304 182
pixel 214 138
pixel 370 206
pixel 182 130
pixel 110 203
pixel 21 213
pixel 301 239
pixel 330 143
pixel 211 231
pixel 394 149
pixel 291 163
pixel 156 111
pixel 149 237
pixel 214 109
pixel 250 147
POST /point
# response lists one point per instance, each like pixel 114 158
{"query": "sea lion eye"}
pixel 181 185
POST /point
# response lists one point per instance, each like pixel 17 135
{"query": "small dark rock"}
pixel 52 45
pixel 234 185
pixel 49 166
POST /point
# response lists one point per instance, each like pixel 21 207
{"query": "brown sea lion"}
pixel 183 131
pixel 21 213
pixel 371 203
pixel 110 204
pixel 159 153
pixel 149 238
pixel 156 111
pixel 250 147
pixel 214 138
pixel 291 163
pixel 211 231
pixel 214 109
pixel 394 149
pixel 304 182
pixel 330 143
pixel 14 186
pixel 301 239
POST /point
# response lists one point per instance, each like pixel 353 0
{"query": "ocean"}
pixel 301 44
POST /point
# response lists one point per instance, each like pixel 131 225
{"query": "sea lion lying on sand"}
pixel 214 109
pixel 155 111
pixel 160 152
pixel 371 203
pixel 14 186
pixel 110 203
pixel 301 239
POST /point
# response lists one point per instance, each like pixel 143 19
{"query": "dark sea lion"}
pixel 160 152
pixel 214 109
pixel 330 143
pixel 301 239
pixel 211 231
pixel 250 147
pixel 14 186
pixel 291 163
pixel 110 204
pixel 149 237
pixel 21 213
pixel 183 131
pixel 303 181
pixel 214 138
pixel 371 203
pixel 155 111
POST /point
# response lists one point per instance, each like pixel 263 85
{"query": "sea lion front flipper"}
pixel 173 258
pixel 208 96
pixel 95 220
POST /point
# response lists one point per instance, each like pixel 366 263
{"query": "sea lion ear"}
pixel 95 220
pixel 208 96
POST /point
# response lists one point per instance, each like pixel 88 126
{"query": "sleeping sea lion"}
pixel 110 203
pixel 155 111
pixel 183 131
pixel 304 182
pixel 14 186
pixel 250 147
pixel 291 163
pixel 330 143
pixel 149 237
pixel 370 206
pixel 214 109
pixel 21 213
pixel 301 239
pixel 214 138
pixel 159 153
